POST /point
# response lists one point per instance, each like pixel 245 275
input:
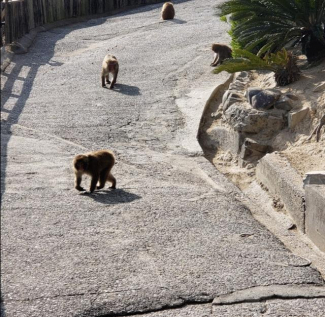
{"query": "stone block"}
pixel 315 214
pixel 295 117
pixel 284 182
pixel 314 178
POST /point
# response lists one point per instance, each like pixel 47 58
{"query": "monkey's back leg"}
pixel 103 178
pixel 111 179
pixel 114 79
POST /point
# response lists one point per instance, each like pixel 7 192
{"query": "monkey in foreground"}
pixel 96 164
pixel 110 65
pixel 221 52
pixel 167 11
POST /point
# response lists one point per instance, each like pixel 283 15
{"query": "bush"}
pixel 282 63
pixel 264 26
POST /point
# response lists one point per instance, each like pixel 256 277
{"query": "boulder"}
pixel 251 92
pixel 265 99
pixel 253 121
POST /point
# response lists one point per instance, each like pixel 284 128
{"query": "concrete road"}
pixel 175 232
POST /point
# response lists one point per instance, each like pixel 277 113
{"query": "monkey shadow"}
pixel 127 89
pixel 178 21
pixel 113 196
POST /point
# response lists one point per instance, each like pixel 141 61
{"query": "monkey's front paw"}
pixel 108 82
pixel 86 193
pixel 111 87
pixel 81 189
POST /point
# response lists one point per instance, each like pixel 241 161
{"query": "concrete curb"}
pixel 275 172
pixel 315 214
pixel 281 180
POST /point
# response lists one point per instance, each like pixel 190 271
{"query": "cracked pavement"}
pixel 175 235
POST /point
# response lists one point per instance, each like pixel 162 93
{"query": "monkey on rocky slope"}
pixel 221 52
pixel 110 65
pixel 98 165
pixel 167 11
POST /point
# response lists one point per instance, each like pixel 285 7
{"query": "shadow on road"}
pixel 22 73
pixel 3 311
pixel 127 89
pixel 113 196
pixel 178 21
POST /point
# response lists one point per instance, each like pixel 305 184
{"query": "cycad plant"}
pixel 262 26
pixel 282 63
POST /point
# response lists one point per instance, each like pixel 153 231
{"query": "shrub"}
pixel 264 26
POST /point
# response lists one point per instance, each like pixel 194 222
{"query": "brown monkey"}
pixel 167 11
pixel 96 164
pixel 221 52
pixel 110 65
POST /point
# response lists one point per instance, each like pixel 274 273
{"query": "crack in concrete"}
pixel 51 136
pixel 253 294
pixel 97 293
pixel 262 293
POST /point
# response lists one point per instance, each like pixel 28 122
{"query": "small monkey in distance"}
pixel 110 65
pixel 98 165
pixel 221 52
pixel 167 11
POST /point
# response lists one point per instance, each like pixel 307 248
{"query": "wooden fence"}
pixel 21 16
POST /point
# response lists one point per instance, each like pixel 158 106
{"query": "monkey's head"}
pixel 81 162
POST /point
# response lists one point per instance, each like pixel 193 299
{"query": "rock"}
pixel 231 99
pixel 320 87
pixel 243 75
pixel 251 92
pixel 252 151
pixel 225 96
pixel 265 99
pixel 216 115
pixel 252 144
pixel 253 121
pixel 296 116
pixel 284 103
pixel 292 96
pixel 237 85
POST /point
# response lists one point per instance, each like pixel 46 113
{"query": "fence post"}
pixel 8 26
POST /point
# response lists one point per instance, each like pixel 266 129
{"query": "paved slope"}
pixel 175 231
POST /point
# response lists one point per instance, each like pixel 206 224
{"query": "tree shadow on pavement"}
pixel 113 196
pixel 22 72
pixel 127 89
